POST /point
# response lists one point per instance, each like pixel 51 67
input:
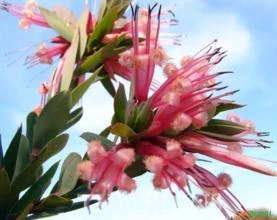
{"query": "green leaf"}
pixel 69 175
pixel 123 131
pixel 224 127
pixel 10 157
pixel 54 201
pixel 217 136
pixel 93 61
pixel 69 62
pixel 122 5
pixel 144 117
pixel 23 157
pixel 52 119
pixel 29 175
pixel 104 26
pixel 227 106
pixel 25 212
pixel 136 169
pixel 120 103
pixel 74 117
pixel 83 22
pixel 5 193
pixel 102 9
pixel 36 191
pixel 89 137
pixel 108 85
pixel 1 152
pixel 57 24
pixel 81 89
pixel 30 122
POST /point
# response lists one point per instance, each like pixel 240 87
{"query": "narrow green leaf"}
pixel 30 122
pixel 83 22
pixel 69 62
pixel 108 85
pixel 93 61
pixel 74 117
pixel 224 127
pixel 10 157
pixel 52 119
pixel 219 136
pixel 57 24
pixel 144 117
pixel 29 175
pixel 123 131
pixel 122 6
pixel 81 89
pixel 54 201
pixel 227 106
pixel 104 26
pixel 25 212
pixel 89 137
pixel 1 152
pixel 69 175
pixel 36 191
pixel 120 103
pixel 136 169
pixel 102 9
pixel 23 157
pixel 5 193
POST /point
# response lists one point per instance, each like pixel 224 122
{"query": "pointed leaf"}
pixel 89 137
pixel 227 106
pixel 23 157
pixel 36 191
pixel 74 117
pixel 120 103
pixel 30 122
pixel 136 169
pixel 81 89
pixel 224 127
pixel 123 131
pixel 1 152
pixel 102 9
pixel 95 60
pixel 108 85
pixel 52 119
pixel 10 157
pixel 104 26
pixel 5 193
pixel 57 24
pixel 69 175
pixel 83 22
pixel 69 62
pixel 29 175
pixel 55 201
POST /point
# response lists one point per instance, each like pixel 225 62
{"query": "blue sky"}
pixel 247 29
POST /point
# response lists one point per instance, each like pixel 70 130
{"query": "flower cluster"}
pixel 165 127
pixel 183 125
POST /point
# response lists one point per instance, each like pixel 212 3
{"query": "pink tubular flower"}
pixel 28 14
pixel 105 170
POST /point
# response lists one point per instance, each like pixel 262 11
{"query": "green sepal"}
pixel 123 130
